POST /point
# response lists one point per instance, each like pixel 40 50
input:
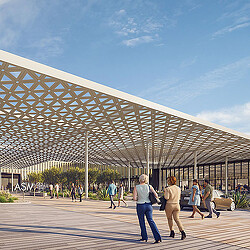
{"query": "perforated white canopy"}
pixel 44 113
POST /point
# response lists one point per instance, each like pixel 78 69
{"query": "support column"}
pixel 148 160
pixel 248 170
pixel 22 175
pixel 86 167
pixel 226 176
pixel 195 165
pixel 0 178
pixel 160 178
pixel 12 180
pixel 164 178
pixel 129 187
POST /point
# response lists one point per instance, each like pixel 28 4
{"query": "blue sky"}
pixel 193 56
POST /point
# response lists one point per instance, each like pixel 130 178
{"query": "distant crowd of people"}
pixel 142 195
pixel 111 191
pixel 56 189
pixel 72 191
pixel 242 188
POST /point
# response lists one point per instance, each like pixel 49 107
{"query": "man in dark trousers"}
pixel 112 190
pixel 207 199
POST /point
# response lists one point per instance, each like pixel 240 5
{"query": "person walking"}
pixel 195 199
pixel 120 195
pixel 51 190
pixel 80 192
pixel 73 192
pixel 172 209
pixel 208 198
pixel 57 189
pixel 144 207
pixel 112 190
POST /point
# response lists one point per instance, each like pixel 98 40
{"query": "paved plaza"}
pixel 61 224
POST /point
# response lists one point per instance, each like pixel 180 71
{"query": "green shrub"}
pixel 108 199
pixel 11 199
pixel 102 194
pixel 6 197
pixel 92 195
pixel 240 201
pixel 3 199
pixel 66 193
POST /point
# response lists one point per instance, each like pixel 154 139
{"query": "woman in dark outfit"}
pixel 73 192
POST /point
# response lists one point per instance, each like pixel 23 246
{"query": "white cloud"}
pixel 137 29
pixel 238 18
pixel 237 15
pixel 151 26
pixel 236 117
pixel 15 16
pixel 138 40
pixel 230 29
pixel 121 12
pixel 178 91
pixel 48 47
pixel 188 63
pixel 2 2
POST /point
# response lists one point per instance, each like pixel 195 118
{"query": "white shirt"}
pixel 57 187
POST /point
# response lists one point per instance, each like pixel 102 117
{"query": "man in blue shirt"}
pixel 112 190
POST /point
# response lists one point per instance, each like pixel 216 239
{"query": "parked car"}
pixel 220 201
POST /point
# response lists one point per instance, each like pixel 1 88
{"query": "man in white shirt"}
pixel 57 189
pixel 51 190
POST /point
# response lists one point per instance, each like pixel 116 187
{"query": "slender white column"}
pixel 86 166
pixel 226 176
pixel 0 178
pixel 129 177
pixel 22 175
pixel 12 180
pixel 148 160
pixel 160 178
pixel 195 165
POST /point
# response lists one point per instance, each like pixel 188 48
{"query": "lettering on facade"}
pixel 28 187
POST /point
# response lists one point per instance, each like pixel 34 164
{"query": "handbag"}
pixel 163 203
pixel 152 198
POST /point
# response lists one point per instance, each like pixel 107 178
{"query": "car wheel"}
pixel 213 205
pixel 232 206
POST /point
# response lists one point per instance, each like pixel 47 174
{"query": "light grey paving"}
pixel 60 224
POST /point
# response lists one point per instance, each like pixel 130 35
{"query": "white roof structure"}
pixel 44 113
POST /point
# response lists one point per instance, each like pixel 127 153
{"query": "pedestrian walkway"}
pixel 62 224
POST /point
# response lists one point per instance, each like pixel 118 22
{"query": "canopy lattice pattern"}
pixel 44 114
